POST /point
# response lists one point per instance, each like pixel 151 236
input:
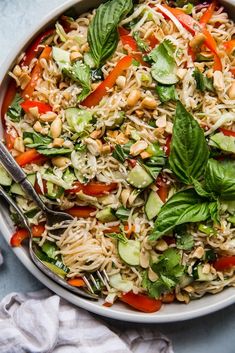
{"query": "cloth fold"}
pixel 42 322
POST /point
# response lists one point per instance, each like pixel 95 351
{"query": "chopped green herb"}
pixel 203 83
pixel 15 111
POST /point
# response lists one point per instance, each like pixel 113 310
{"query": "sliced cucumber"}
pixel 185 280
pixel 78 119
pixel 54 268
pixel 153 205
pixel 139 178
pixel 5 179
pixel 106 215
pixel 120 284
pixel 16 188
pixel 130 252
pixel 198 274
pixel 53 191
pixel 62 57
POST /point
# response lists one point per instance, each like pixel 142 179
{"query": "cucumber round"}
pixel 130 252
pixel 153 205
pixel 139 178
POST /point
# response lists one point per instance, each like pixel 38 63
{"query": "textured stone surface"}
pixel 211 334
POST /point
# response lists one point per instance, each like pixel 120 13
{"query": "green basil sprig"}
pixel 15 112
pixel 102 32
pixel 183 207
pixel 219 178
pixel 189 151
pixel 164 68
pixel 81 73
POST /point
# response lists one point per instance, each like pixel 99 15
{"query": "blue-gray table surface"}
pixel 213 333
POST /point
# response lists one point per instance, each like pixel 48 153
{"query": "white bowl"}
pixel 170 312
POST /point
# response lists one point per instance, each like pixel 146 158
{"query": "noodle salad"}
pixel 124 117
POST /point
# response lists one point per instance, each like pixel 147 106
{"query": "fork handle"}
pixel 19 176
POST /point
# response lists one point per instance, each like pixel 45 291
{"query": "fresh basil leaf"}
pixel 154 165
pixel 38 139
pixel 189 151
pixel 203 83
pixel 102 31
pixel 81 73
pixel 121 152
pixel 166 93
pixel 223 142
pixel 219 178
pixel 15 111
pixel 184 241
pixel 200 189
pixel 164 68
pixel 142 45
pixel 119 236
pixel 53 151
pixel 169 271
pixel 214 208
pixel 183 207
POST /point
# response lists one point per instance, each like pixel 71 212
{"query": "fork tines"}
pixel 90 280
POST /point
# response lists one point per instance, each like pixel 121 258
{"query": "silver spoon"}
pixel 52 217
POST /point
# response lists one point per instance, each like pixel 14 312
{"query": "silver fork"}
pixel 52 218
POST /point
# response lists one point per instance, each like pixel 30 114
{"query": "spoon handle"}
pixel 19 176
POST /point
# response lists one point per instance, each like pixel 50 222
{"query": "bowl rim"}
pixel 95 307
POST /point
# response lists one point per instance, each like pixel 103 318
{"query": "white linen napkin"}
pixel 42 322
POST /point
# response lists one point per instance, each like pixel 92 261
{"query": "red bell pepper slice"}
pixel 141 302
pixel 95 97
pixel 227 132
pixel 224 263
pixel 27 157
pixel 81 211
pixel 8 98
pixel 208 14
pixel 36 74
pixel 123 31
pixel 42 107
pixel 163 189
pixel 9 138
pixel 129 40
pixel 93 188
pixel 18 237
pixel 34 49
pixel 116 229
pixel 38 230
pixel 193 27
pixel 229 46
pixel 76 282
pixel 21 234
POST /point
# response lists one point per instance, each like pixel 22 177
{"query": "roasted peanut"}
pixel 19 144
pixel 197 41
pixel 121 81
pixel 56 128
pixel 231 91
pixel 60 162
pixel 48 117
pixel 133 98
pixel 149 103
pixel 138 147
